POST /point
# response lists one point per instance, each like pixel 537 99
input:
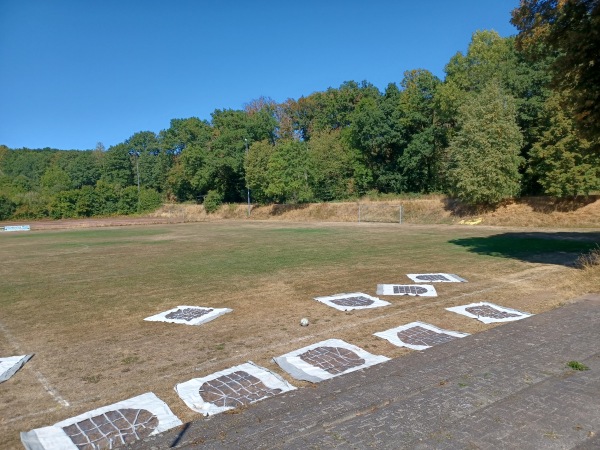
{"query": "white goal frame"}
pixel 380 213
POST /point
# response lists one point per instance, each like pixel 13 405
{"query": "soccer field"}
pixel 77 299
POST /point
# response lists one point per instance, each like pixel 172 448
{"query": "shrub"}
pixel 149 200
pixel 7 207
pixel 212 201
pixel 589 259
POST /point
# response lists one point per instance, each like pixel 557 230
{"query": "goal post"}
pixel 372 212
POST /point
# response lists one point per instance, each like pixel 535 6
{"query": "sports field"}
pixel 77 299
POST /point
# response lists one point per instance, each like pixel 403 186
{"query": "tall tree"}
pixel 335 167
pixel 335 106
pixel 117 168
pixel 484 154
pixel 149 158
pixel 256 167
pixel 289 173
pixel 188 141
pixel 568 30
pixel 420 161
pixel 376 130
pixel 55 180
pixel 562 161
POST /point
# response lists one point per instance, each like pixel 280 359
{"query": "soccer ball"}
pixel 304 322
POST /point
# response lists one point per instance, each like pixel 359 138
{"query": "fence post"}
pixel 401 213
pixel 359 213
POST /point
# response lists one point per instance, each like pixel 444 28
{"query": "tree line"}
pixel 506 121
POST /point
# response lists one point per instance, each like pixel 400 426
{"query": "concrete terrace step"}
pixel 508 387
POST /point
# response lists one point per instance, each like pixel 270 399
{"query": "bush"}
pixel 149 200
pixel 63 204
pixel 7 207
pixel 589 259
pixel 212 201
pixel 128 200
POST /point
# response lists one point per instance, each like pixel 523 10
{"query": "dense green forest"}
pixel 513 116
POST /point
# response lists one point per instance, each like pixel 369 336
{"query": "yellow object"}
pixel 471 222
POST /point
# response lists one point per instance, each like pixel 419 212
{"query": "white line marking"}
pixel 43 381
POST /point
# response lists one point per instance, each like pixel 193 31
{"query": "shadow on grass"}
pixel 561 248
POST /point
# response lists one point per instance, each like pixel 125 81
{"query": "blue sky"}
pixel 75 72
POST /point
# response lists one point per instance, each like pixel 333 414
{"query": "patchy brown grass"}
pixel 581 212
pixel 77 299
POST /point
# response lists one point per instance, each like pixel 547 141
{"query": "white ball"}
pixel 304 322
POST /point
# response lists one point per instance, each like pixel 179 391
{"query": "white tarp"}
pixel 54 437
pixel 16 228
pixel 481 311
pixel 355 300
pixel 392 334
pixel 435 278
pixel 196 315
pixel 421 290
pixel 300 369
pixel 190 390
pixel 10 364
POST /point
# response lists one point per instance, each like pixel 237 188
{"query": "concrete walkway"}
pixel 508 387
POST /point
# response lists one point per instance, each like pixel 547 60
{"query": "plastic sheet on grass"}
pixel 355 300
pixel 419 335
pixel 489 312
pixel 10 365
pixel 435 278
pixel 108 427
pixel 326 359
pixel 421 290
pixel 189 315
pixel 231 388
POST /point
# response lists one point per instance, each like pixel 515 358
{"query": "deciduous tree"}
pixel 569 31
pixel 562 161
pixel 484 154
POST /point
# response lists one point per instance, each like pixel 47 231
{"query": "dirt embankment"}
pixel 525 212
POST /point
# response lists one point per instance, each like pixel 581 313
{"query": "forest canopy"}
pixel 514 116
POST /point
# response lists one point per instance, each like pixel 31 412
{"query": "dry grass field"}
pixel 76 298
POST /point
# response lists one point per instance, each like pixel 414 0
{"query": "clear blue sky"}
pixel 75 72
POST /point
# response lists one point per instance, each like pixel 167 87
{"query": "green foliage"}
pixel 332 166
pixel 421 159
pixel 576 365
pixel 148 160
pixel 107 198
pixel 7 207
pixel 178 184
pixel 185 132
pixel 128 200
pixel 289 173
pixel 55 180
pixel 567 31
pixel 334 107
pixel 27 165
pixel 82 167
pixel 256 164
pixel 467 135
pixel 484 154
pixel 150 199
pixel 31 205
pixel 212 201
pixel 118 169
pixel 491 57
pixel 85 205
pixel 561 160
